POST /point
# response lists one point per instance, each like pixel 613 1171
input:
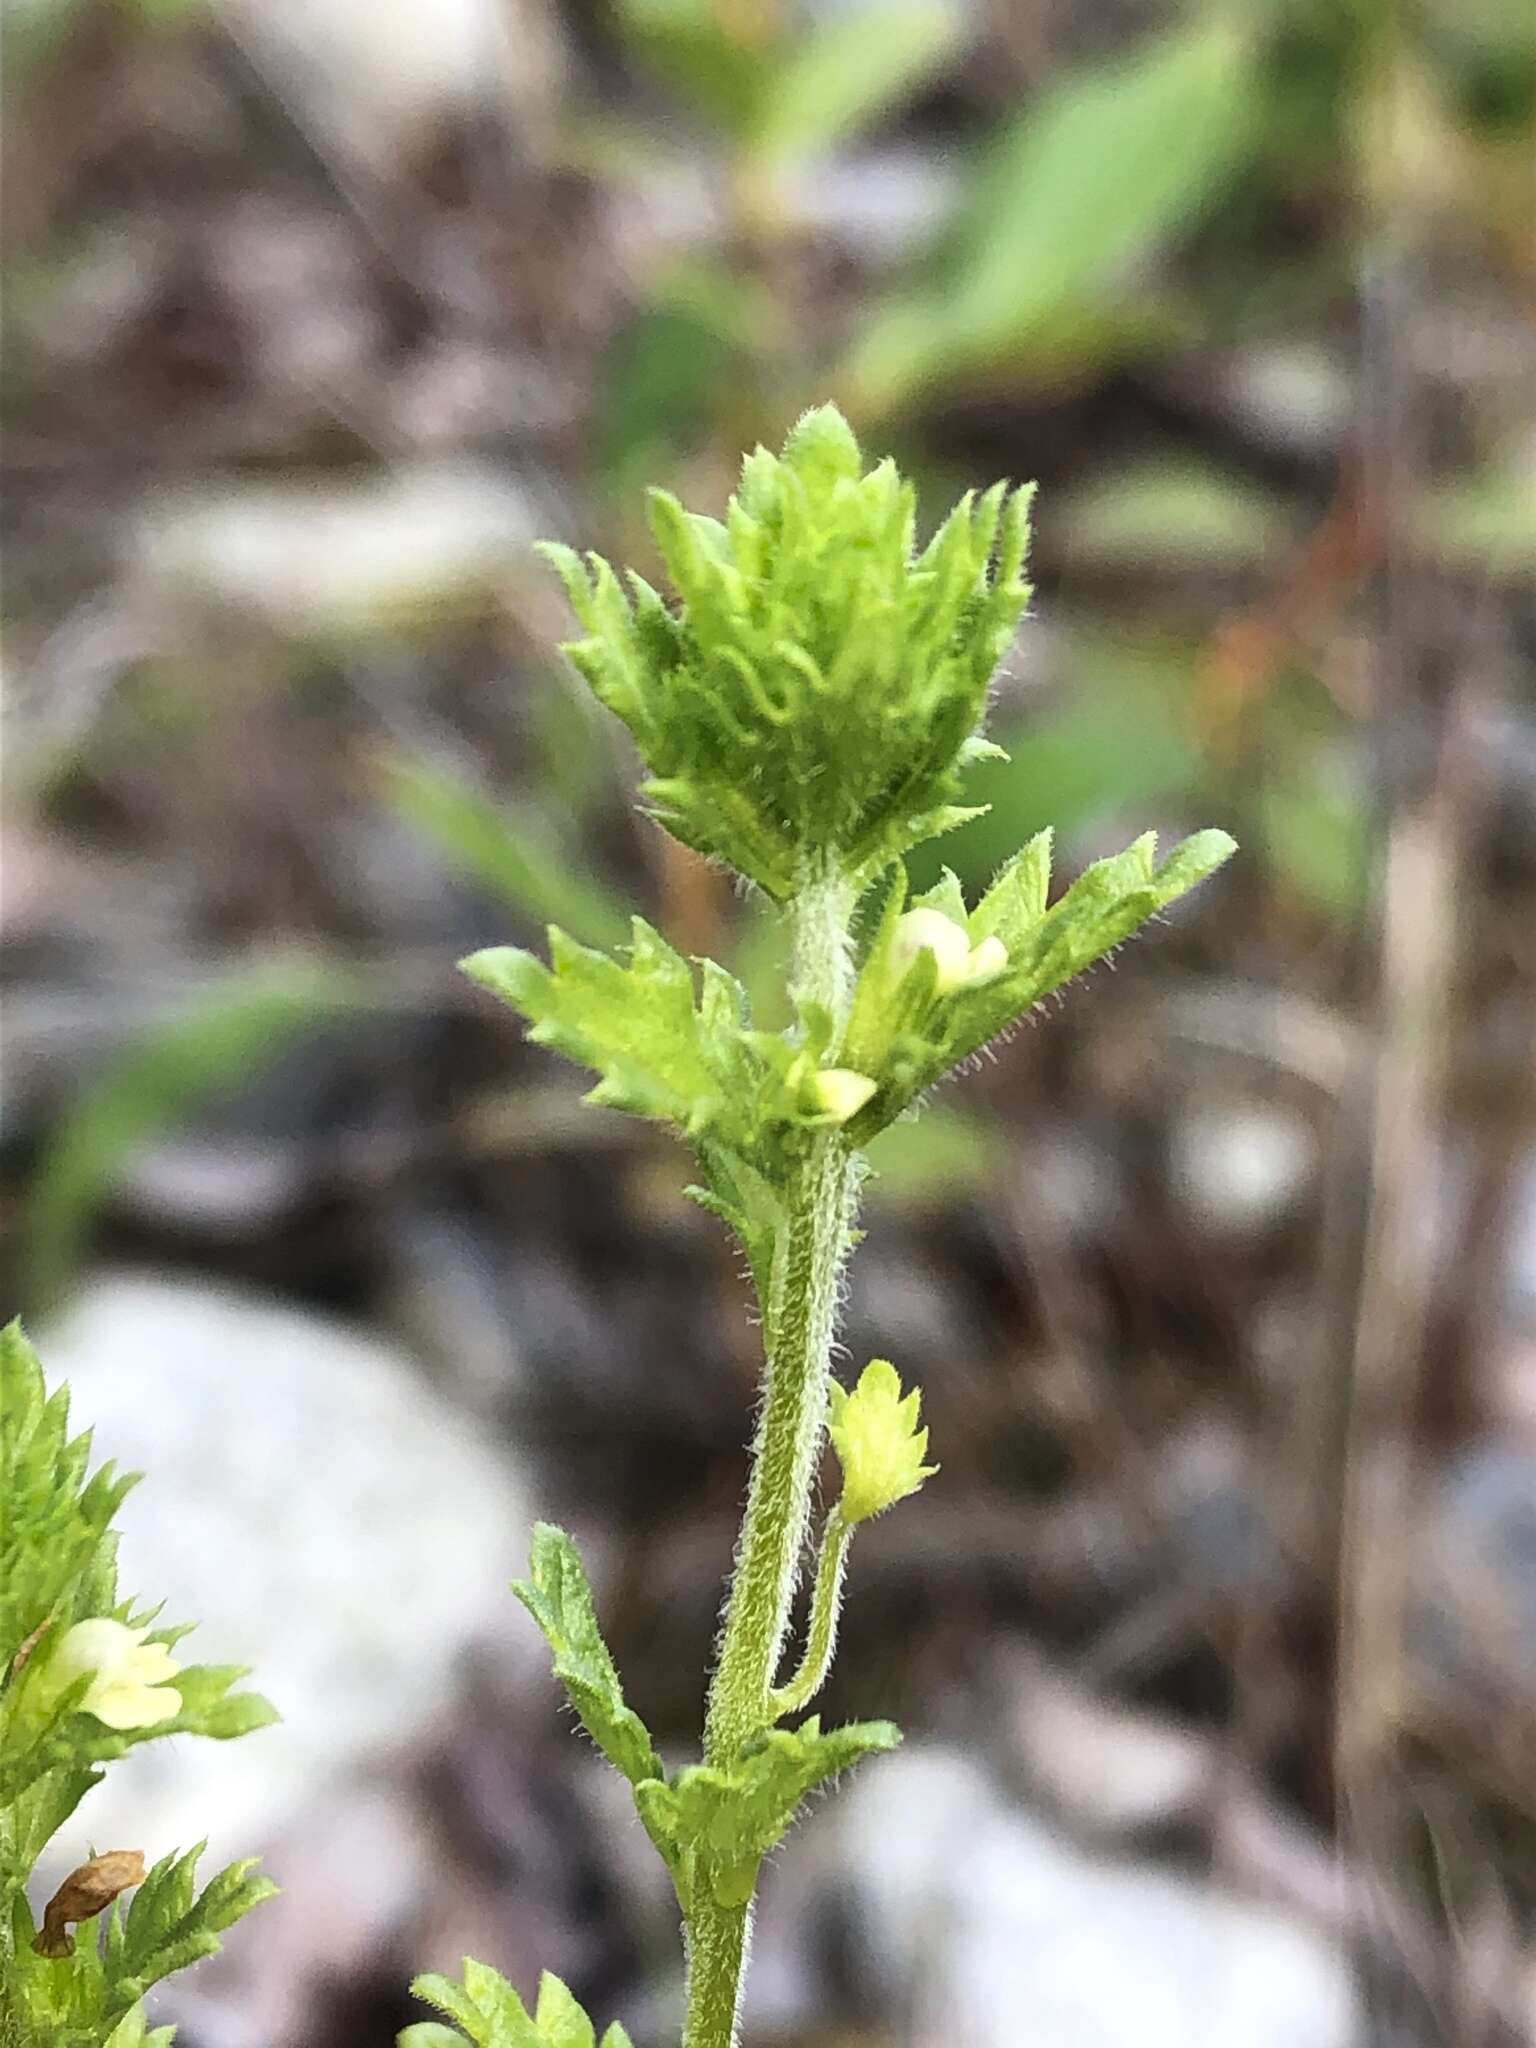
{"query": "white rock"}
pixel 314 1507
pixel 1519 1287
pixel 1297 394
pixel 369 75
pixel 337 556
pixel 988 1928
pixel 1240 1167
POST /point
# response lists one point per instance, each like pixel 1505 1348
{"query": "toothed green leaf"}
pixel 492 2015
pixel 557 1595
pixel 1106 904
pixel 715 1826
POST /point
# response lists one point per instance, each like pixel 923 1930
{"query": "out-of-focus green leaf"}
pixel 662 378
pixel 213 1045
pixel 1115 158
pixel 692 46
pixel 1319 842
pixel 1164 515
pixel 1486 524
pixel 1117 743
pixel 851 68
pixel 514 858
pixel 935 1161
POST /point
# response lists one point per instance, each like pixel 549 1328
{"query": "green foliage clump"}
pixel 816 690
pixel 84 1677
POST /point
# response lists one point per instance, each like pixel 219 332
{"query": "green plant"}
pixel 84 1677
pixel 806 705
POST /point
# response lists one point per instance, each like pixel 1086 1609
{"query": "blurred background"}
pixel 1216 1643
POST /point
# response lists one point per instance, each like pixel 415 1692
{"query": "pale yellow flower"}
pixel 875 1433
pixel 130 1678
pixel 840 1093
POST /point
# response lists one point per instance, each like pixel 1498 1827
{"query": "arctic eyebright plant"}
pixel 806 700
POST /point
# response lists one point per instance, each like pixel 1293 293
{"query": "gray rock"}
pixel 370 78
pixel 1241 1167
pixel 325 557
pixel 980 1924
pixel 315 1507
pixel 1475 1616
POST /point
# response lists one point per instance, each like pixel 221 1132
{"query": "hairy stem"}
pixel 717 1950
pixel 800 1317
pixel 784 1455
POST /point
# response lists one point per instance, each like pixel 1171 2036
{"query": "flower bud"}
pixel 130 1678
pixel 839 1093
pixel 957 964
pixel 987 962
pixel 931 931
pixel 875 1433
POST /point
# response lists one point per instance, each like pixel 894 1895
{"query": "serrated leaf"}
pixel 715 1825
pixel 170 1925
pixel 659 1051
pixel 1015 903
pixel 559 2019
pixel 56 1512
pixel 558 1596
pixel 492 2015
pixel 908 1045
pixel 1108 902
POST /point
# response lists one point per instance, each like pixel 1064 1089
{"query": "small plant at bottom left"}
pixel 85 1676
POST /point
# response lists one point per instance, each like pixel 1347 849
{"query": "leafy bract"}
pixel 683 1054
pixel 815 691
pixel 908 1037
pixel 95 1994
pixel 54 1512
pixel 492 2015
pixel 557 1595
pixel 714 1825
pixel 660 1050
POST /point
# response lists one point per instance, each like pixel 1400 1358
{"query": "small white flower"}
pixel 130 1678
pixel 957 964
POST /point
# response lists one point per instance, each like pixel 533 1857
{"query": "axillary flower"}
pixel 879 1445
pixel 957 963
pixel 839 1093
pixel 130 1678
